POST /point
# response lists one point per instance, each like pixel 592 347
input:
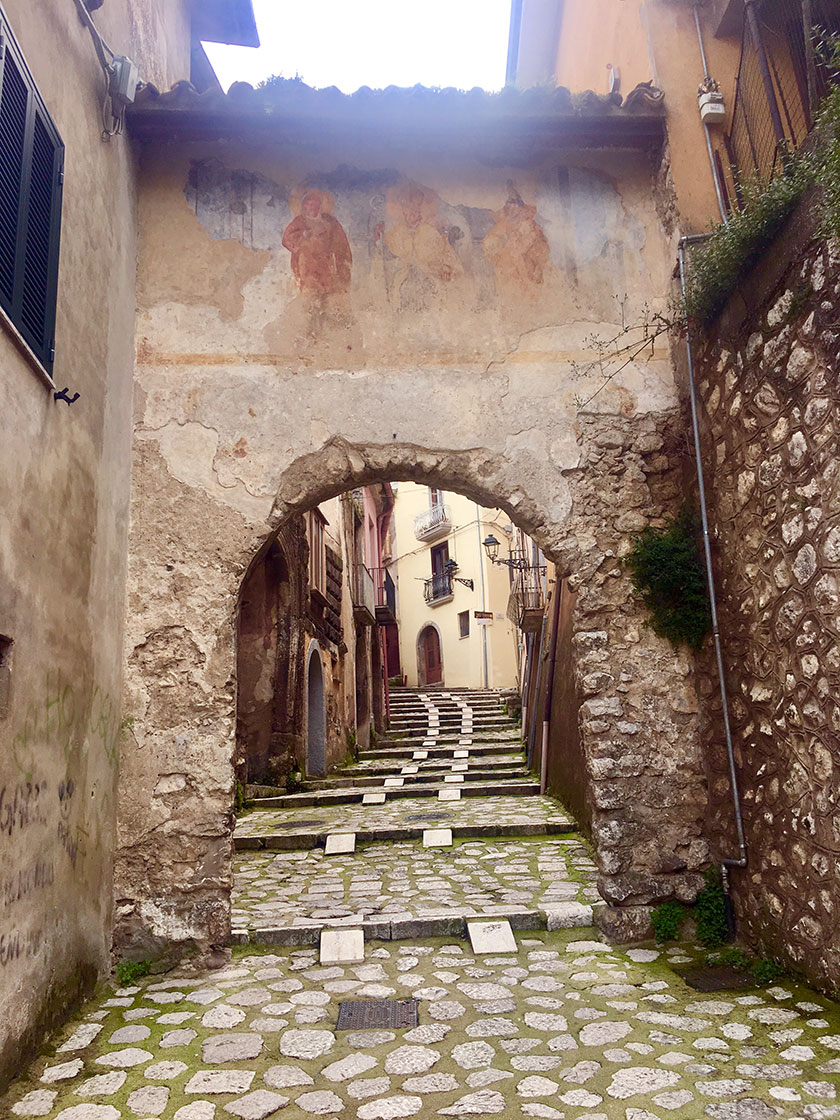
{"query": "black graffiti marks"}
pixel 22 806
pixel 19 943
pixel 27 881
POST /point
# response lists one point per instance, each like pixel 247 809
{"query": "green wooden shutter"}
pixel 31 174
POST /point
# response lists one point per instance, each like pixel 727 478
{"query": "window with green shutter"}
pixel 31 174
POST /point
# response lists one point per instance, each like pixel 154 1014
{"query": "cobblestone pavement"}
pixel 471 877
pixel 406 812
pixel 567 1027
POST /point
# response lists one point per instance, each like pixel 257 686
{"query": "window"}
pixel 463 624
pixel 317 552
pixel 440 556
pixel 435 497
pixel 31 174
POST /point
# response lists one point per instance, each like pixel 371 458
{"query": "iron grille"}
pixel 376 1013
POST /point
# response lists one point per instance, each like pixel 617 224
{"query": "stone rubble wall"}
pixel 767 377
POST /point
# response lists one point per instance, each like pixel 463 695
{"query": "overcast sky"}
pixel 377 43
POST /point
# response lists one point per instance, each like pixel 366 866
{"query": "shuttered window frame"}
pixel 31 179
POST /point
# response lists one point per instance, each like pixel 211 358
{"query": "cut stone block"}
pixel 340 843
pixel 374 799
pixel 437 838
pixel 459 767
pixel 392 782
pixel 568 915
pixel 420 755
pixel 465 742
pixel 460 754
pixel 449 795
pixel 409 769
pixel 491 937
pixel 454 778
pixel 342 946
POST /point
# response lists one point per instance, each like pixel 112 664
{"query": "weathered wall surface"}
pixel 64 494
pixel 312 320
pixel 768 380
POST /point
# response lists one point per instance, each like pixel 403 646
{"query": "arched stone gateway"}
pixel 266 384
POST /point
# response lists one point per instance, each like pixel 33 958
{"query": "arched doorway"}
pixel 316 722
pixel 429 659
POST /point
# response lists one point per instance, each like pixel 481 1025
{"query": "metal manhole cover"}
pixel 362 1014
pixel 717 978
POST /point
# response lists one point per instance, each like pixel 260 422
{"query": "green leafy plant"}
pixel 765 971
pixel 128 972
pixel 294 780
pixel 710 911
pixel 730 955
pixel 667 573
pixel 667 920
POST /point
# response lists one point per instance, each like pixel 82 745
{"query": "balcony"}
pixel 433 523
pixel 438 589
pixel 364 596
pixel 386 596
pixel 526 605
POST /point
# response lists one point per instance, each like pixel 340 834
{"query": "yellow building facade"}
pixel 452 634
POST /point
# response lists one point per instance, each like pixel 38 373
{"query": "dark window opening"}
pixel 464 624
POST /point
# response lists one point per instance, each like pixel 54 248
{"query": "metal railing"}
pixel 364 594
pixel 431 523
pixel 781 79
pixel 527 596
pixel 386 591
pixel 438 589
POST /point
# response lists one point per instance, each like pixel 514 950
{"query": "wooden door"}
pixel 431 656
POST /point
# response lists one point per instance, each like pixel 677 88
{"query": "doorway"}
pixel 431 662
pixel 316 723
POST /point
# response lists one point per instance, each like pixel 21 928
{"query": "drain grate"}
pixel 362 1014
pixel 717 978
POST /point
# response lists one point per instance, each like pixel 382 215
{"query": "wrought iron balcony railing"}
pixel 386 595
pixel 526 604
pixel 364 596
pixel 432 523
pixel 438 589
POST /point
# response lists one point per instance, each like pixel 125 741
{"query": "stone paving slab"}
pixel 406 880
pixel 399 787
pixel 534 814
pixel 565 1028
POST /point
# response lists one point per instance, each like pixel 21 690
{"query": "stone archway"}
pixel 316 714
pixel 646 783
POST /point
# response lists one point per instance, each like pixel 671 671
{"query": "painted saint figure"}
pixel 321 256
pixel 516 245
pixel 418 238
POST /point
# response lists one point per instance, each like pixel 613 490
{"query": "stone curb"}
pixel 576 915
pixel 347 797
pixel 303 841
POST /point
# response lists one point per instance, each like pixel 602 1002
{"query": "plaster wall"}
pixel 64 482
pixel 463 658
pixel 443 336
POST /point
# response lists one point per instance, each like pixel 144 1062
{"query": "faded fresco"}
pixel 365 263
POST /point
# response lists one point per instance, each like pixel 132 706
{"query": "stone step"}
pixel 304 841
pixel 392 767
pixel 526 787
pixel 396 927
pixel 374 781
pixel 405 748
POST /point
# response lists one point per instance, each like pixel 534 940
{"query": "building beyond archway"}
pixel 268 383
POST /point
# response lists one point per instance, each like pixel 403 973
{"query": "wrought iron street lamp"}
pixel 491 547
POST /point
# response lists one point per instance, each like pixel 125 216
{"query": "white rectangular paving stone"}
pixel 374 799
pixel 465 742
pixel 342 946
pixel 394 781
pixel 459 766
pixel 420 755
pixel 340 843
pixel 454 778
pixel 491 937
pixel 409 769
pixel 449 795
pixel 437 838
pixel 460 754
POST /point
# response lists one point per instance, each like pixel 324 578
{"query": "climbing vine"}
pixel 667 574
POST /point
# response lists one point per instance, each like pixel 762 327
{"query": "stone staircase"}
pixel 451 771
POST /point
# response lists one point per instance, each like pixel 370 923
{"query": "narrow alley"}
pixel 415 938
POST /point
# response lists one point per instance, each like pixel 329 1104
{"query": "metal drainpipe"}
pixel 483 592
pixel 726 861
pixel 549 688
pixel 709 149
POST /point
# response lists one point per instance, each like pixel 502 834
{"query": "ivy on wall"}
pixel 667 573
